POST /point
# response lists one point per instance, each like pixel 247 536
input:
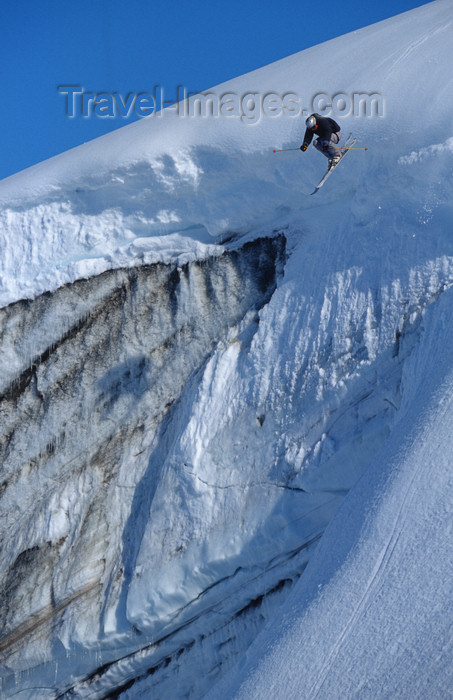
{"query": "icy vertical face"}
pixel 94 375
pixel 175 440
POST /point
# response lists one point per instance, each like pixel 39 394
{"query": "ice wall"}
pixel 96 371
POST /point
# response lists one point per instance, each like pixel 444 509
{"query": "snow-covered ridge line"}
pixel 160 190
pixel 147 213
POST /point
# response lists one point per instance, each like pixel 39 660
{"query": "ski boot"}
pixel 334 161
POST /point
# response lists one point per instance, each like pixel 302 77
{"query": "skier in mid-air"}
pixel 328 132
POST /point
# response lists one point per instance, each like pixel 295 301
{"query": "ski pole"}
pixel 353 148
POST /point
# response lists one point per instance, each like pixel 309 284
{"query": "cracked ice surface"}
pixel 198 433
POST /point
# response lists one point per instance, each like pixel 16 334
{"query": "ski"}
pixel 348 144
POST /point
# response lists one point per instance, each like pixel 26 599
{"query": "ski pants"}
pixel 328 148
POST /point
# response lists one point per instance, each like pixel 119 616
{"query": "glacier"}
pixel 225 407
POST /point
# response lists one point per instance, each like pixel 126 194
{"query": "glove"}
pixel 325 145
pixel 304 147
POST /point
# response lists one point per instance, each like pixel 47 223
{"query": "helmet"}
pixel 311 122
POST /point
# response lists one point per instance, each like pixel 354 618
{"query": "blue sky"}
pixel 129 46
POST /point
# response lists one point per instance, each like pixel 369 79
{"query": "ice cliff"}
pixel 224 405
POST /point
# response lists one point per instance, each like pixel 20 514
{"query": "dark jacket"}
pixel 325 127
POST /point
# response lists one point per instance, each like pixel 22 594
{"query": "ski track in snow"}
pixel 373 583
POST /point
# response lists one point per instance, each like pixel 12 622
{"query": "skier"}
pixel 328 133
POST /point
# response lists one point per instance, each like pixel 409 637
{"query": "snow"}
pixel 283 530
pixel 94 206
pixel 371 616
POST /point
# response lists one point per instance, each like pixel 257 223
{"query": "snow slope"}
pixel 97 205
pixel 318 411
pixel 372 615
